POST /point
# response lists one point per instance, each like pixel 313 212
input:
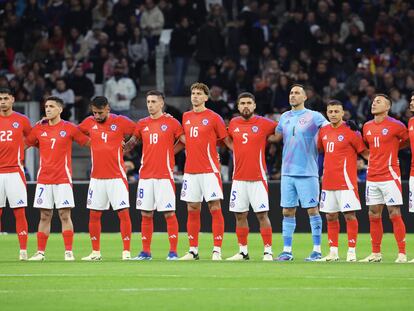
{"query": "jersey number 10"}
pixel 330 146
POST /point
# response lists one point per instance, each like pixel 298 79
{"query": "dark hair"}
pixel 60 79
pixel 298 85
pixel 335 102
pixel 6 90
pixel 100 102
pixel 155 93
pixel 245 95
pixel 385 96
pixel 201 86
pixel 56 99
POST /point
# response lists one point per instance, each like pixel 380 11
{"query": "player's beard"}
pixel 247 114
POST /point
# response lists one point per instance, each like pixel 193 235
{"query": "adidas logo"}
pixel 351 241
pixel 318 227
pixel 122 203
pixel 146 129
pixel 172 236
pixel 190 237
pixel 262 206
pixel 214 195
pixel 126 238
pixel 368 133
pixel 95 127
pixel 236 130
pixel 169 205
pixel 22 233
pixel 312 201
pixel 188 122
pixel 93 238
pixel 143 238
pixel 325 137
pixel 219 237
pixel 44 134
pixel 347 206
pixel 391 200
pixel 66 202
pixel 20 202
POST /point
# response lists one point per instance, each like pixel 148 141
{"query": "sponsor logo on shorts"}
pixel 122 203
pixel 384 131
pixel 139 202
pixel 20 202
pixel 391 200
pixel 340 138
pixel 205 121
pixel 39 201
pixel 62 133
pixel 312 201
pixel 113 127
pixel 255 129
pixel 66 202
pixel 168 205
pixel 262 206
pixel 16 125
pixel 213 195
pixel 164 127
pixel 347 206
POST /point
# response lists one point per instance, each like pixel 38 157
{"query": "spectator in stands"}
pixel 120 90
pixel 83 89
pixel 138 53
pixel 217 103
pixel 100 13
pixel 152 23
pixel 75 45
pixel 399 103
pixel 67 96
pixel 181 50
pixel 6 58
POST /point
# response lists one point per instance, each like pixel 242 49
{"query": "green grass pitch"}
pixel 203 285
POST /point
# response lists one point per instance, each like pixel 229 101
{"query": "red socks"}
pixel 68 239
pixel 172 229
pixel 193 227
pixel 21 226
pixel 242 234
pixel 218 227
pixel 95 229
pixel 352 230
pixel 266 236
pixel 147 227
pixel 376 230
pixel 333 233
pixel 125 228
pixel 41 241
pixel 399 232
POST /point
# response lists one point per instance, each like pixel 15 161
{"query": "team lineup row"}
pixel 303 132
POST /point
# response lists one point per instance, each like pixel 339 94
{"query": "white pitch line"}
pixel 184 289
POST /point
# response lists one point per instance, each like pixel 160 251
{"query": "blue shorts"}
pixel 299 189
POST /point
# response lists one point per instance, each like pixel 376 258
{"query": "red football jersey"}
pixel 158 137
pixel 106 145
pixel 249 143
pixel 55 147
pixel 383 140
pixel 411 135
pixel 13 129
pixel 202 132
pixel 341 147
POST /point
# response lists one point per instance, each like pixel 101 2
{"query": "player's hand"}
pixel 127 146
pixel 41 121
pixel 168 115
pixel 352 125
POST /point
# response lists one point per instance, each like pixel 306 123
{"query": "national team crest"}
pixel 164 127
pixel 39 201
pixel 340 138
pixel 302 121
pixel 16 125
pixel 255 129
pixel 89 202
pixel 384 131
pixel 62 133
pixel 113 127
pixel 205 121
pixel 139 202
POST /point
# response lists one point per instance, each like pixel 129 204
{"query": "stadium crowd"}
pixel 346 50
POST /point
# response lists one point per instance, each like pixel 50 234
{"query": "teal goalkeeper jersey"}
pixel 300 129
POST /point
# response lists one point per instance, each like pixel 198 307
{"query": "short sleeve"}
pixel 128 126
pixel 31 139
pixel 320 120
pixel 402 132
pixel 230 129
pixel 357 141
pixel 78 136
pixel 220 128
pixel 178 129
pixel 279 127
pixel 270 127
pixel 27 128
pixel 137 130
pixel 84 126
pixel 319 142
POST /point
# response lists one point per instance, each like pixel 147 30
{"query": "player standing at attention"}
pixel 341 146
pixel 54 179
pixel 203 128
pixel 411 135
pixel 249 133
pixel 156 187
pixel 299 183
pixel 13 128
pixel 108 183
pixel 384 136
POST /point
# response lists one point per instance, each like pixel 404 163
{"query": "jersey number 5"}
pixel 245 138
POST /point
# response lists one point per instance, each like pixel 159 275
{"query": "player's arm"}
pixel 131 143
pixel 178 146
pixel 404 144
pixel 228 141
pixel 275 138
pixel 365 154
